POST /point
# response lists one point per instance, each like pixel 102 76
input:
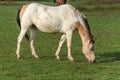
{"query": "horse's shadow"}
pixel 100 58
pixel 108 57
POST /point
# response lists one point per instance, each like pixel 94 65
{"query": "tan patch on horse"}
pixel 23 10
pixel 82 31
pixel 46 10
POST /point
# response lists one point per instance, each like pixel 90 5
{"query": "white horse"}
pixel 64 19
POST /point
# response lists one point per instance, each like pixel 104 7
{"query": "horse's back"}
pixel 64 7
pixel 51 18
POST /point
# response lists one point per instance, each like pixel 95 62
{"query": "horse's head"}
pixel 87 38
pixel 88 50
pixel 88 45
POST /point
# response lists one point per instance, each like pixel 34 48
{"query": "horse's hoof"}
pixel 58 58
pixel 18 57
pixel 71 59
pixel 37 57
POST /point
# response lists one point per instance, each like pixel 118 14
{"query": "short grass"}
pixel 105 26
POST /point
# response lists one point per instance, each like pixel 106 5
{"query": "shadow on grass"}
pixel 102 58
pixel 109 57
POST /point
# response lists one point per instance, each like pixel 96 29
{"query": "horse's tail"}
pixel 19 24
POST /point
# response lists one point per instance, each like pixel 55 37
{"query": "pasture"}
pixel 104 20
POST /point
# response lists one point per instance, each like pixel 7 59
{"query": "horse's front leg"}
pixel 62 40
pixel 69 39
pixel 32 38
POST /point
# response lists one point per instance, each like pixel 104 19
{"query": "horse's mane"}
pixel 87 26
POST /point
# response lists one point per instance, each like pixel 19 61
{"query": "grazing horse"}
pixel 9 1
pixel 64 19
pixel 60 2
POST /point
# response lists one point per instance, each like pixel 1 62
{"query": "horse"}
pixel 60 2
pixel 63 19
pixel 9 1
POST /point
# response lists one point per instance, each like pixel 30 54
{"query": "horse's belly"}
pixel 49 28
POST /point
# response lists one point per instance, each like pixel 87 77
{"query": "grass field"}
pixel 104 20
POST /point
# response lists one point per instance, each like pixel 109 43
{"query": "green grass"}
pixel 105 27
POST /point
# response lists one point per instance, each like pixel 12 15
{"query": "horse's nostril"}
pixel 94 61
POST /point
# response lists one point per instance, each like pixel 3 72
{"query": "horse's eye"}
pixel 92 41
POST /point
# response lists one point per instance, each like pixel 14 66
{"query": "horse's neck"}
pixel 85 36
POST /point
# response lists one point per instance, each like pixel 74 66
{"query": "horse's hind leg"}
pixel 32 38
pixel 62 40
pixel 20 37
